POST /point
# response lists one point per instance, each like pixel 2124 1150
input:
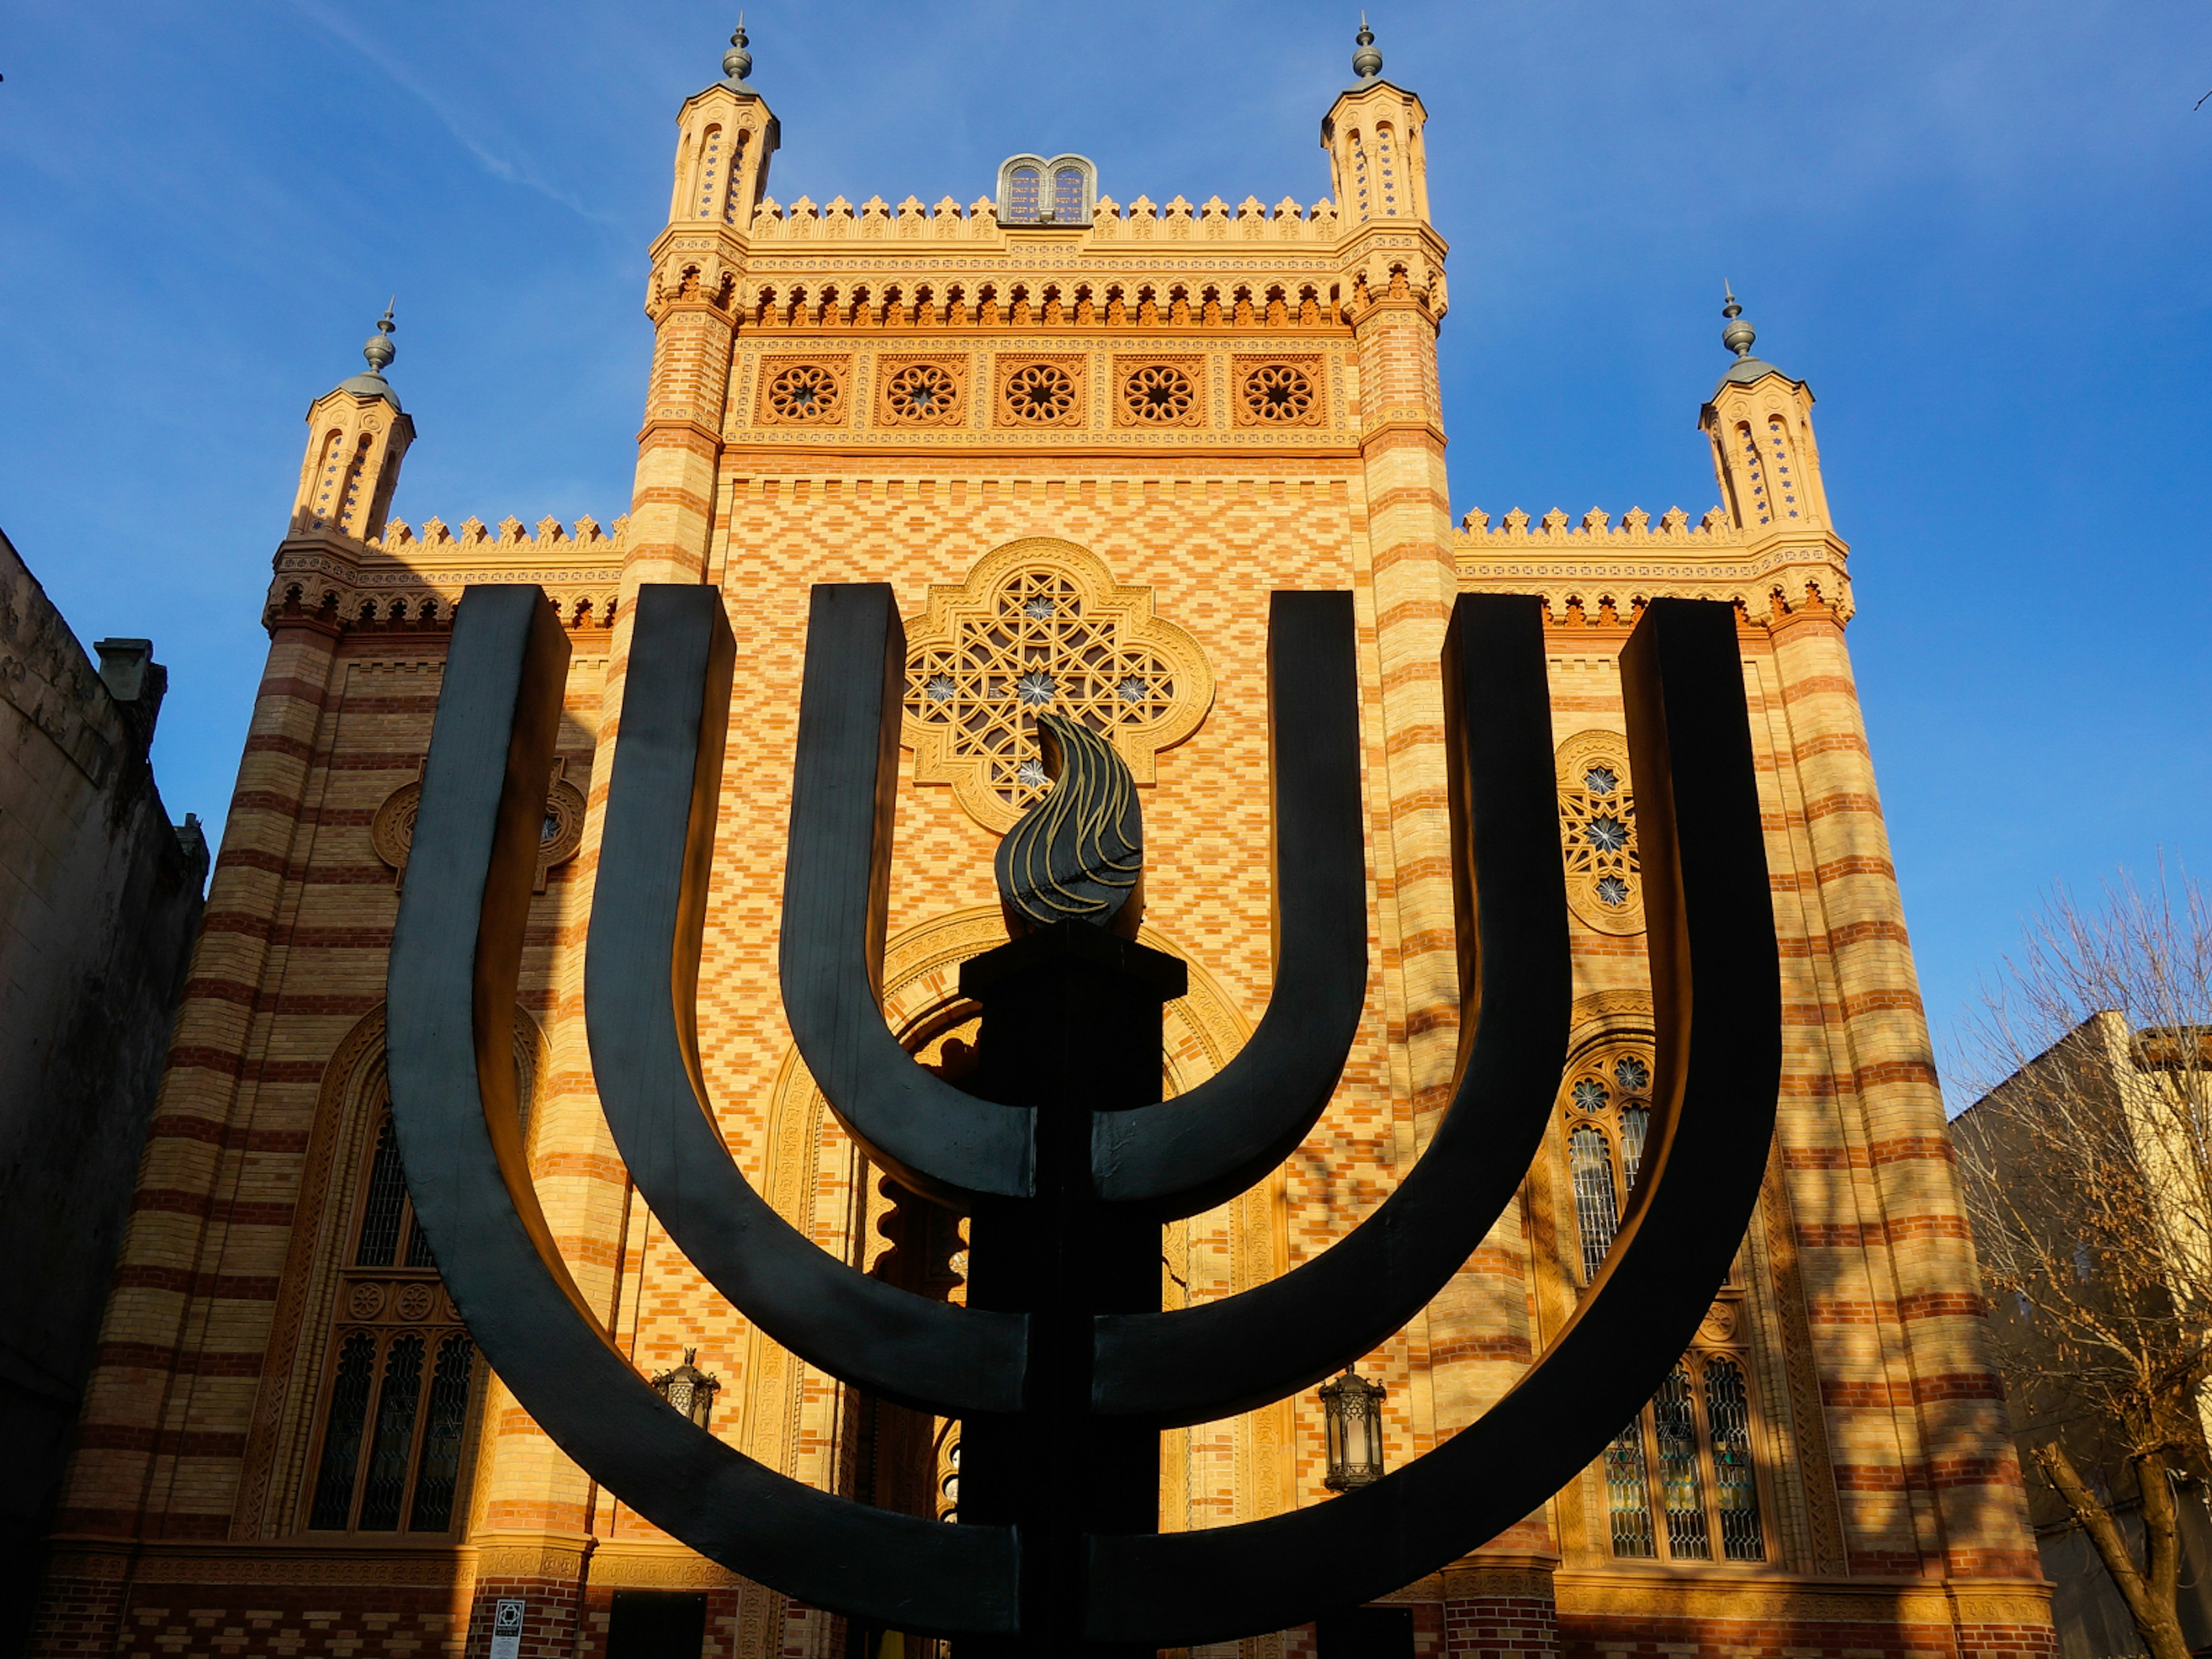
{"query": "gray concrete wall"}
pixel 99 903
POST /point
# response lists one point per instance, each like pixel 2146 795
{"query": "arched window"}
pixel 397 1411
pixel 1735 1483
pixel 1691 1447
pixel 350 503
pixel 1787 486
pixel 1628 1495
pixel 1597 1213
pixel 401 1369
pixel 322 486
pixel 712 177
pixel 1674 1422
pixel 1761 503
pixel 1607 1111
pixel 730 203
pixel 395 1405
pixel 1033 190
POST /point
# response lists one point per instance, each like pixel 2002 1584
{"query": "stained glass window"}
pixel 333 1504
pixel 1674 1419
pixel 1628 1494
pixel 386 1205
pixel 1607 1120
pixel 1736 1485
pixel 1042 638
pixel 1680 1481
pixel 1597 1212
pixel 418 1246
pixel 441 1471
pixel 388 1456
pixel 1635 1125
pixel 398 1413
pixel 1597 832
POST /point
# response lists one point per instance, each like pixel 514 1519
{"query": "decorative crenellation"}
pixel 400 540
pixel 1251 220
pixel 410 579
pixel 1602 573
pixel 1636 525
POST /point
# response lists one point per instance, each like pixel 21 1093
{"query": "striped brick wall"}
pixel 1883 1446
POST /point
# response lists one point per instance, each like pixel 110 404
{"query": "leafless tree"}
pixel 2088 1168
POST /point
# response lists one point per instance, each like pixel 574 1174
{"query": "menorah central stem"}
pixel 1071 1026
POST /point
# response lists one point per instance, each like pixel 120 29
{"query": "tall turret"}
pixel 1760 422
pixel 1377 167
pixel 728 133
pixel 357 435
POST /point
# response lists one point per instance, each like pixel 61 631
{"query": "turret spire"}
pixel 379 351
pixel 1367 62
pixel 1738 337
pixel 737 61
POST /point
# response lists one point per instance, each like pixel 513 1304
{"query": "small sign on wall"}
pixel 506 1630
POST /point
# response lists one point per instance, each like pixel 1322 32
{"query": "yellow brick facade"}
pixel 784 445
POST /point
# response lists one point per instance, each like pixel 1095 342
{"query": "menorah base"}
pixel 1071 1025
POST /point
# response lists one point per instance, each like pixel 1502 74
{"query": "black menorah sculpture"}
pixel 1062 1367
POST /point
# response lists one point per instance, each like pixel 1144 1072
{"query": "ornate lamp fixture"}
pixel 1354 1407
pixel 689 1389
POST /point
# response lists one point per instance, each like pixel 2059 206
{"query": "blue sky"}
pixel 1979 232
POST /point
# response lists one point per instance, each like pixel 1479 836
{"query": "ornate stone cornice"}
pixel 1598 564
pixel 409 578
pixel 813 247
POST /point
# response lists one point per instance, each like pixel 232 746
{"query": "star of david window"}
pixel 1042 627
pixel 1597 833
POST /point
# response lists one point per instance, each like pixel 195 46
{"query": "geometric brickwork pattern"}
pixel 1042 627
pixel 1597 833
pixel 879 439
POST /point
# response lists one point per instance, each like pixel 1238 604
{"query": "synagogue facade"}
pixel 1083 439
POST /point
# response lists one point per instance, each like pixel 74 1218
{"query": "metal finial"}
pixel 737 61
pixel 1367 62
pixel 1737 336
pixel 379 350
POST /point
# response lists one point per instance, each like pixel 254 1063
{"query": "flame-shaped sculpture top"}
pixel 1079 854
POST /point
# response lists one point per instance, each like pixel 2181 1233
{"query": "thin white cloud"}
pixel 492 162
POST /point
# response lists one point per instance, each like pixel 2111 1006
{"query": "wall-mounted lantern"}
pixel 1353 1407
pixel 689 1389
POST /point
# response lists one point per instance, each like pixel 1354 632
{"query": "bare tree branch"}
pixel 2087 1171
